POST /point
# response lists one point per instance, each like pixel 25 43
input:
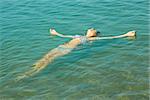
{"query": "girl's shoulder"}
pixel 77 36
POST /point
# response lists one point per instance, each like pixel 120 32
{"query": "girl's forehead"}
pixel 92 29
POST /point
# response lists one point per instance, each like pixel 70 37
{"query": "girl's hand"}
pixel 130 34
pixel 53 32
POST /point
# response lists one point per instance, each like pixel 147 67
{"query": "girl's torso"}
pixel 76 41
pixel 73 43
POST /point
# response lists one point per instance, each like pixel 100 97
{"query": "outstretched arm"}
pixel 53 32
pixel 129 34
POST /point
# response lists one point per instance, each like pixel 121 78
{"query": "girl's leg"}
pixel 43 62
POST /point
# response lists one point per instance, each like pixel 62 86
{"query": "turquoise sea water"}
pixel 101 70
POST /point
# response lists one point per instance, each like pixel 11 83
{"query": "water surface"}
pixel 101 70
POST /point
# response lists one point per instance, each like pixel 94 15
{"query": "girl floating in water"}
pixel 64 49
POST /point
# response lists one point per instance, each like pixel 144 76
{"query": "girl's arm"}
pixel 53 32
pixel 129 34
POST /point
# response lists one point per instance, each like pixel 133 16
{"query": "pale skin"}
pixel 57 52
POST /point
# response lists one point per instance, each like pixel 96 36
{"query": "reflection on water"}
pixel 101 70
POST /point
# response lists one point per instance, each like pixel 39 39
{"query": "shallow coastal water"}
pixel 101 70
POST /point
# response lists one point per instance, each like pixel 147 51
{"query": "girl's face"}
pixel 91 32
